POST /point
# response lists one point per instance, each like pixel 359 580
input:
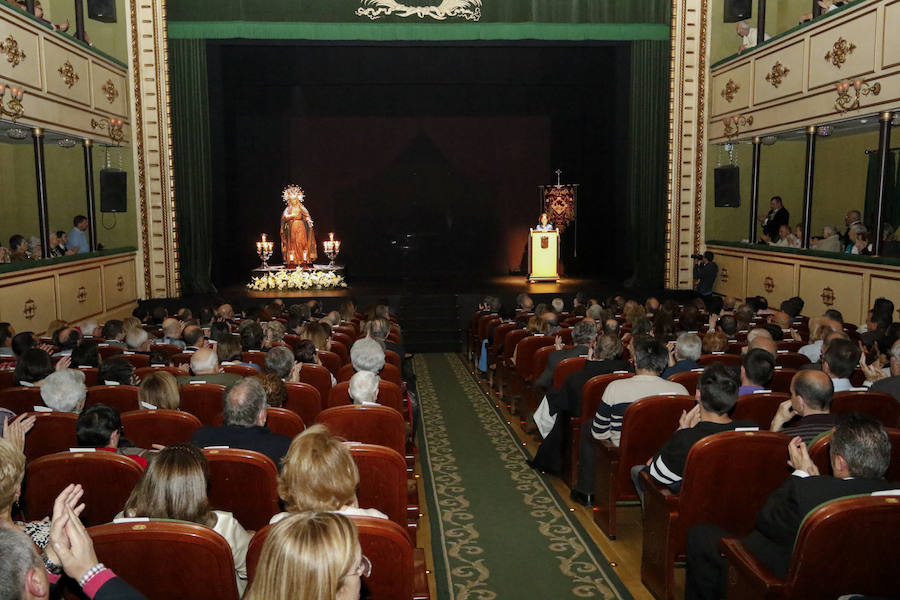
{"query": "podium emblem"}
pixel 545 242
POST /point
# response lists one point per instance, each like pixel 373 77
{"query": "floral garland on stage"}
pixel 297 280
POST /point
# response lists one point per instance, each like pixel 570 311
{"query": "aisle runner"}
pixel 498 530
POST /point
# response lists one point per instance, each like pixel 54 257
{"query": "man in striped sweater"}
pixel 650 359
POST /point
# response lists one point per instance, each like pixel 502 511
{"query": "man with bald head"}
pixel 781 318
pixel 205 368
pixel 760 338
pixel 819 327
pixel 194 338
pixel 172 332
pixel 806 414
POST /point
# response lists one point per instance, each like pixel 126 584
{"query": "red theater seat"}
pixel 244 483
pixel 367 424
pixel 52 432
pixel 123 398
pixel 166 427
pixel 389 394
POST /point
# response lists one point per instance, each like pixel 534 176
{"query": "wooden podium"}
pixel 543 255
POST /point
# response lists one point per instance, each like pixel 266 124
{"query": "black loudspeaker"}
pixel 737 10
pixel 112 190
pixel 728 186
pixel 102 10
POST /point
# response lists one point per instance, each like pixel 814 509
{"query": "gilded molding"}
pixel 67 72
pixel 828 297
pixel 139 147
pixel 29 309
pixel 839 52
pixel 109 90
pixel 777 74
pixel 731 88
pixel 700 142
pixel 10 47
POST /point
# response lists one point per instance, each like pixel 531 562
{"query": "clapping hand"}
pixel 784 414
pixel 15 431
pixel 68 499
pixel 689 418
pixel 70 541
pixel 800 458
pixel 295 372
pixel 558 342
pixel 63 363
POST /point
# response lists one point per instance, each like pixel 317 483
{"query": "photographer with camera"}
pixel 705 272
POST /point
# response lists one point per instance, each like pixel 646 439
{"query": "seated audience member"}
pixel 728 325
pixel 174 487
pixel 718 394
pixel 689 320
pixel 116 371
pixel 18 249
pixel 244 426
pixel 33 366
pixel 160 390
pixel 793 307
pixel 78 240
pixel 280 361
pixel 219 330
pixel 194 338
pixel 100 426
pixel 333 318
pixel 367 355
pixel 379 329
pixel 839 361
pixel 827 338
pixel 184 314
pixel 664 327
pixel 876 327
pixel 524 303
pixel 172 333
pixel 819 327
pixel 6 337
pixel 860 455
pixel 535 326
pixel 228 351
pixel 306 353
pixel 364 388
pixel 159 358
pixel 318 553
pixel 319 474
pixel 113 333
pixel 891 384
pixel 775 332
pixel 251 335
pixel 273 334
pixel 276 392
pixel 806 414
pixel 66 339
pixel 64 391
pixel 583 335
pixel 86 354
pixel 757 369
pixel 651 306
pixel 650 359
pixel 760 338
pixel 714 341
pixel 683 357
pixel 205 368
pixel 12 472
pixel 830 241
pixel 138 340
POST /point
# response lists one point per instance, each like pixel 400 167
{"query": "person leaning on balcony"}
pixel 747 35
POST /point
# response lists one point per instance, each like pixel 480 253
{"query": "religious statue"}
pixel 298 240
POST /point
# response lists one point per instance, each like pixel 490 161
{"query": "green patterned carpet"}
pixel 498 529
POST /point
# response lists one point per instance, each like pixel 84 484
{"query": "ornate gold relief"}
pixel 731 88
pixel 113 128
pixel 769 285
pixel 723 275
pixel 849 92
pixel 13 108
pixel 10 47
pixel 29 310
pixel 777 74
pixel 67 72
pixel 839 51
pixel 82 294
pixel 120 283
pixel 828 296
pixel 110 91
pixel 734 124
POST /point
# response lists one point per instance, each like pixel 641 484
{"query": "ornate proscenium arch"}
pixel 466 9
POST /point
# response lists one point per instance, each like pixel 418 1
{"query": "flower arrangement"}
pixel 297 279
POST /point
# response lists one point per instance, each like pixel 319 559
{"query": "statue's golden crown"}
pixel 292 191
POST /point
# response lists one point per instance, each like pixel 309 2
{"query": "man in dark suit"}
pixel 777 216
pixel 860 455
pixel 583 335
pixel 245 423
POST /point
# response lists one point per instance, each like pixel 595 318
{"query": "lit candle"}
pixel 258 246
pixel 291 259
pixel 331 236
pixel 337 245
pixel 264 237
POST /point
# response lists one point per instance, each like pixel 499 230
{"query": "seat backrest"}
pixel 720 357
pixel 182 358
pixel 860 533
pixel 393 358
pixel 878 405
pixel 293 340
pixel 791 360
pixel 344 338
pixel 203 400
pixel 160 426
pixel 144 554
pixel 689 379
pixel 107 478
pixel 566 334
pixel 500 333
pixel 123 398
pixel 20 399
pixel 729 476
pixel 257 357
pixel 759 408
pixel 781 380
pixel 367 424
pixel 386 544
pixel 567 367
pixel 144 371
pixel 52 432
pixel 169 349
pixel 592 393
pixel 135 359
pixel 284 422
pixel 389 394
pixel 539 361
pixel 6 377
pixel 91 374
pixel 304 400
pixel 484 324
pixel 512 339
pixel 819 452
pixel 790 345
pixel 382 480
pixel 389 373
pixel 243 482
pixel 525 353
pixel 331 361
pixel 646 426
pixel 319 377
pixel 342 350
pixel 107 350
pixel 254 549
pixel 242 370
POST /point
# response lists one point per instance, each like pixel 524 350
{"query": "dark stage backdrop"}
pixel 424 160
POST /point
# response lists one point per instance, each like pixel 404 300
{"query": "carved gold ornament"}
pixel 769 285
pixel 10 47
pixel 82 294
pixel 839 51
pixel 828 296
pixel 120 283
pixel 13 107
pixel 67 72
pixel 723 275
pixel 30 309
pixel 849 92
pixel 113 128
pixel 734 124
pixel 779 72
pixel 731 88
pixel 110 91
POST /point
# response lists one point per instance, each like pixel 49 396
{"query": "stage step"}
pixel 430 323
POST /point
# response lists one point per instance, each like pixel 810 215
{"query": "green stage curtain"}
pixel 191 142
pixel 891 192
pixel 648 162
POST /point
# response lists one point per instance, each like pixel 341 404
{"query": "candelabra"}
pixel 850 91
pixel 13 108
pixel 332 249
pixel 264 251
pixel 734 124
pixel 113 128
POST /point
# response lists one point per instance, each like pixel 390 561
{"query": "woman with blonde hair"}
pixel 159 389
pixel 318 473
pixel 318 333
pixel 174 487
pixel 310 556
pixel 535 326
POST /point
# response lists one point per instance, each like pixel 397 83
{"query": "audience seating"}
pixel 591 396
pixel 107 478
pixel 834 555
pixel 20 399
pixel 6 377
pixel 343 338
pixel 367 424
pixel 52 432
pixel 293 340
pixel 727 479
pixel 341 350
pixel 107 350
pixel 505 367
pixel 257 357
pixel 791 360
pixel 182 358
pixel 383 482
pixel 878 405
pixel 567 367
pixel 284 422
pixel 389 394
pixel 819 452
pixel 524 372
pixel 759 407
pixel 393 358
pixel 136 359
pixel 242 370
pixel 494 349
pixel 304 400
pixel 646 427
pixel 203 400
pixel 790 345
pixel 144 371
pixel 168 559
pixel 389 373
pixel 244 483
pixel 781 380
pixel 166 427
pixel 331 361
pixel 169 349
pixel 319 377
pixel 720 357
pixel 689 379
pixel 123 398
